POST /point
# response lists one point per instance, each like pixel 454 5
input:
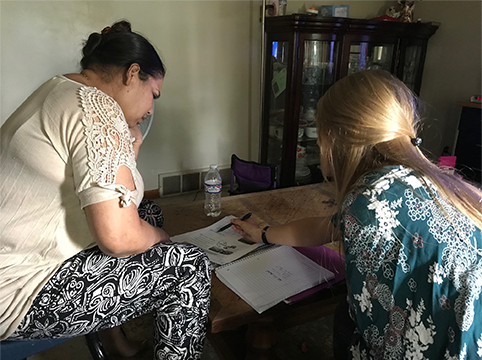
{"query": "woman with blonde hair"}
pixel 411 232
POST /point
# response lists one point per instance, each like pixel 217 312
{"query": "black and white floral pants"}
pixel 93 291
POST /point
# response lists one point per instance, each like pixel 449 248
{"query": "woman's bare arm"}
pixel 305 232
pixel 119 231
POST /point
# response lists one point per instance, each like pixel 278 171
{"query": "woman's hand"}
pixel 137 135
pixel 313 231
pixel 247 229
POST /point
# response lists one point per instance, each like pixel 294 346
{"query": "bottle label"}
pixel 212 188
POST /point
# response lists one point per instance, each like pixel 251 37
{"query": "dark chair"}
pixel 22 349
pixel 251 176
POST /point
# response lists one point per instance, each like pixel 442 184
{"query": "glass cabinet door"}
pixel 304 56
pixel 318 74
pixel 276 86
pixel 411 64
pixel 365 55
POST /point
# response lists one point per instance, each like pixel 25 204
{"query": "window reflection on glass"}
pixel 370 56
pixel 275 49
pixel 410 66
pixel 318 75
pixel 279 60
pixel 277 99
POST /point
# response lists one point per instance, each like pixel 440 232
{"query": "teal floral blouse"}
pixel 414 283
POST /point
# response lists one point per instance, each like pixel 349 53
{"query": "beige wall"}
pixel 453 68
pixel 209 107
pixel 361 9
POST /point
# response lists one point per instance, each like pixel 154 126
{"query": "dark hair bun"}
pixel 117 47
pixel 121 26
pixel 95 38
pixel 92 42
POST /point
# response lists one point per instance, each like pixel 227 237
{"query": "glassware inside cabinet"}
pixel 366 55
pixel 277 89
pixel 318 75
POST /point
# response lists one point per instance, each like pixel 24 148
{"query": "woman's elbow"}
pixel 117 246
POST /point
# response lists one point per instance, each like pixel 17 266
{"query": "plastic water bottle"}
pixel 212 192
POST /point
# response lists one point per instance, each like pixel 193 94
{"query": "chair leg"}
pixel 95 347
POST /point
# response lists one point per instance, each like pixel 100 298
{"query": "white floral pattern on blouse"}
pixel 414 276
pixel 108 141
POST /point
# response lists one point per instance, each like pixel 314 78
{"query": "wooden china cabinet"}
pixel 305 55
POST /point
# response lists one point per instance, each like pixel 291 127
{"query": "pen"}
pixel 245 217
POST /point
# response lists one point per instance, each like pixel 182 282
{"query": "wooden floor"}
pixel 310 341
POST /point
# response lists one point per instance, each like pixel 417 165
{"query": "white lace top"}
pixel 60 152
pixel 109 145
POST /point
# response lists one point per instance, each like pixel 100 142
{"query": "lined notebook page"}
pixel 268 277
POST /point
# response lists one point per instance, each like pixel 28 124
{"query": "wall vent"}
pixel 190 182
pixel 226 176
pixel 187 182
pixel 171 185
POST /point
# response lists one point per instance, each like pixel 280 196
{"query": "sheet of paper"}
pixel 221 248
pixel 268 277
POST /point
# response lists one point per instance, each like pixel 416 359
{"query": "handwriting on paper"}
pixel 279 273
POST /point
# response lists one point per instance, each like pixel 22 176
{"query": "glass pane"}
pixel 365 55
pixel 410 66
pixel 318 75
pixel 277 88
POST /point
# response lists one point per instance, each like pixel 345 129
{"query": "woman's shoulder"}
pixel 391 174
pixel 63 82
pixel 388 183
pixel 92 102
pixel 66 85
pixel 59 91
pixel 394 179
pixel 65 98
pixel 56 85
pixel 54 97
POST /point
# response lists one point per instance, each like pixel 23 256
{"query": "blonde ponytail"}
pixel 369 120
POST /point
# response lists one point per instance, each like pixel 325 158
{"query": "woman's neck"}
pixel 91 78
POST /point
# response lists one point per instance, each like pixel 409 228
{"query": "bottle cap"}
pixel 213 166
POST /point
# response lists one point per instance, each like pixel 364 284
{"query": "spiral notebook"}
pixel 269 276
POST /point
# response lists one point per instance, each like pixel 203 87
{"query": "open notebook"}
pixel 269 276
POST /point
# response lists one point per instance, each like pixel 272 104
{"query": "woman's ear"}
pixel 131 73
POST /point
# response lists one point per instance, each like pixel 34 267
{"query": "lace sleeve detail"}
pixel 108 139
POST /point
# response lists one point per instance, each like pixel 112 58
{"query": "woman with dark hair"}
pixel 75 257
pixel 411 231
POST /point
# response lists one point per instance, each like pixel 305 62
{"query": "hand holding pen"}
pixel 249 230
pixel 245 217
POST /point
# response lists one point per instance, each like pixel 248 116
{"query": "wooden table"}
pixel 236 330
